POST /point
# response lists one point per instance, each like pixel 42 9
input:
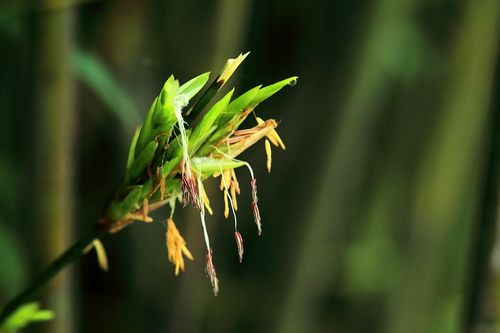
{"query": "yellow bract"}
pixel 231 66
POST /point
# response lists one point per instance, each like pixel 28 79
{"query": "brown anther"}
pixel 189 188
pixel 255 207
pixel 239 244
pixel 210 269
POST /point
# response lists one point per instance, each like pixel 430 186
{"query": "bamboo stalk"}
pixel 54 147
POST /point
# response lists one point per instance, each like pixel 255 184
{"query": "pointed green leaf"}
pixel 118 208
pixel 196 139
pixel 230 119
pixel 193 86
pixel 131 150
pixel 24 315
pixel 215 86
pixel 272 89
pixel 208 165
pixel 165 110
pixel 146 129
pixel 141 162
pixel 171 164
pixel 161 116
pixel 238 105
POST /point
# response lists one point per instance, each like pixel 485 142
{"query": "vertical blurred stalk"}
pixel 482 303
pixel 230 27
pixel 448 183
pixel 332 205
pixel 53 146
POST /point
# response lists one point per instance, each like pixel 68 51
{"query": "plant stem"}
pixel 71 254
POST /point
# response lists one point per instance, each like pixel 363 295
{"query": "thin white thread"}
pixel 202 215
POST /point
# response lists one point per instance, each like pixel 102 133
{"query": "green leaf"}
pixel 25 315
pixel 146 128
pixel 171 164
pixel 205 127
pixel 238 105
pixel 272 89
pixel 174 146
pixel 95 75
pixel 118 208
pixel 215 86
pixel 230 119
pixel 131 150
pixel 193 86
pixel 209 165
pixel 141 162
pixel 160 119
pixel 165 110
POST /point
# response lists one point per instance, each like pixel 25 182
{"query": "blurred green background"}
pixel 379 217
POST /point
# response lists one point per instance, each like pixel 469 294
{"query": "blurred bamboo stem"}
pixel 347 151
pixel 54 147
pixel 480 276
pixel 446 197
pixel 70 255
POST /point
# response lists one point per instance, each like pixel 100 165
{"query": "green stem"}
pixel 71 254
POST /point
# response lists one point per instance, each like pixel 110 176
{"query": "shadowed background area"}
pixel 380 215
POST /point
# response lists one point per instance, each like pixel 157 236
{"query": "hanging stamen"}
pixel 255 207
pixel 239 243
pixel 239 239
pixel 224 181
pixel 268 155
pixel 176 246
pixel 210 268
pixel 227 197
pixel 233 197
pixel 189 191
pixel 212 274
pixel 205 199
pixel 235 181
pixel 226 206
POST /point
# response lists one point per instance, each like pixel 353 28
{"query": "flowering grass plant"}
pixel 179 145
